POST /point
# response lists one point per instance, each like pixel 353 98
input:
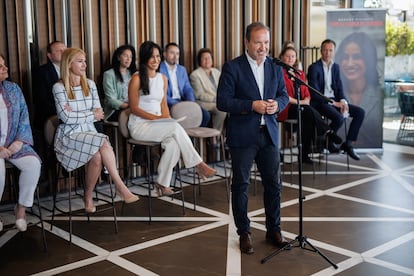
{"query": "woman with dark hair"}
pixel 149 119
pixel 116 80
pixel 357 58
pixel 205 80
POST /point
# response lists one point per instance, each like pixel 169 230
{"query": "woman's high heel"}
pixel 204 171
pixel 89 209
pixel 130 196
pixel 162 190
pixel 131 199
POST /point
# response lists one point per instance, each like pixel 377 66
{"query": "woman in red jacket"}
pixel 311 119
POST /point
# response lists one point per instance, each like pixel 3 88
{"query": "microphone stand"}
pixel 299 81
pixel 301 240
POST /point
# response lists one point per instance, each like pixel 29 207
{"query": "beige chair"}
pixel 78 174
pixel 123 128
pixel 192 114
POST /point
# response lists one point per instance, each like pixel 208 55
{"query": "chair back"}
pixel 191 111
pixel 50 129
pixel 406 103
pixel 123 122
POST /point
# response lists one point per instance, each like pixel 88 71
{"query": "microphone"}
pixel 284 65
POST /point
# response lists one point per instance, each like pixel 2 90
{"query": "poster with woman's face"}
pixel 360 53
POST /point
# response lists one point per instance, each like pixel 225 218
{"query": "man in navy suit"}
pixel 324 76
pixel 43 80
pixel 179 86
pixel 252 91
pixel 44 77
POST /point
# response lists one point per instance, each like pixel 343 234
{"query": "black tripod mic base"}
pixel 302 242
pixel 286 247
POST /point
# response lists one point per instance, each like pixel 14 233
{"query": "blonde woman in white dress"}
pixel 148 102
pixel 77 142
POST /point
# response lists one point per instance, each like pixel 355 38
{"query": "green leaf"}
pixel 399 39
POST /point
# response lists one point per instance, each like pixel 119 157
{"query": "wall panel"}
pixel 216 24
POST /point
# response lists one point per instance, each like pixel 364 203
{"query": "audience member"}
pixel 116 80
pixel 324 76
pixel 311 118
pixel 149 119
pixel 179 87
pixel 44 78
pixel 204 81
pixel 16 143
pixel 252 90
pixel 289 43
pixel 357 59
pixel 77 142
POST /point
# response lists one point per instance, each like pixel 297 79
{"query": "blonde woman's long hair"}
pixel 67 58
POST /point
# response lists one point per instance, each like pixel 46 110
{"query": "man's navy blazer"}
pixel 236 92
pixel 316 79
pixel 45 76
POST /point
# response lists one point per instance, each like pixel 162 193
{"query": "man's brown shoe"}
pixel 246 245
pixel 276 239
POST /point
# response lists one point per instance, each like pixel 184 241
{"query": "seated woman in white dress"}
pixel 77 142
pixel 148 102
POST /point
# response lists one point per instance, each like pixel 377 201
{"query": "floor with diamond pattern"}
pixel 361 220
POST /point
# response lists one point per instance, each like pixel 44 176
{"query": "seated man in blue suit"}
pixel 252 91
pixel 179 86
pixel 324 76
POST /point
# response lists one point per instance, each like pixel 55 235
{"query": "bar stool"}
pixel 78 175
pixel 149 182
pixel 288 143
pixel 114 131
pixel 192 117
pixel 326 151
pixel 114 142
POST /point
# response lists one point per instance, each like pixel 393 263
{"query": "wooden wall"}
pixel 100 26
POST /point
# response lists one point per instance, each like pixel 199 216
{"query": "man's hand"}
pixel 272 107
pixel 259 106
pixel 265 107
pixel 342 106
